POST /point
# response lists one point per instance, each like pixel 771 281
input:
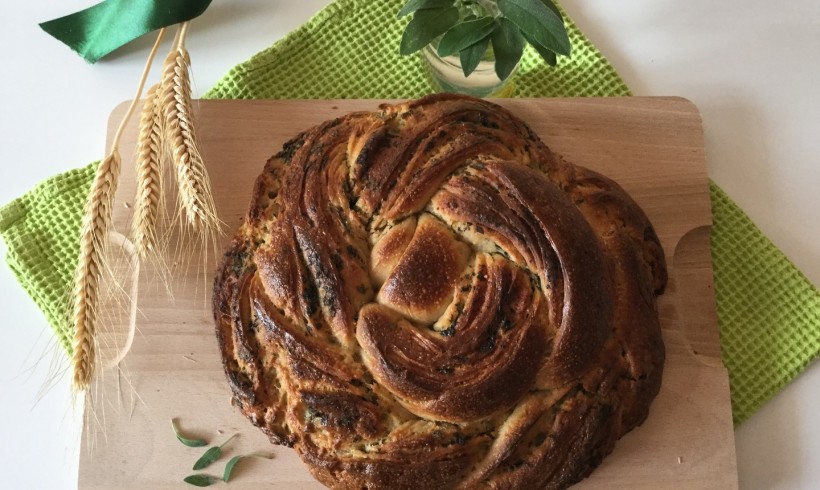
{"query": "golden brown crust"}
pixel 428 297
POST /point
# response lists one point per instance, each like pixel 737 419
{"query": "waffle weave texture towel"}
pixel 769 312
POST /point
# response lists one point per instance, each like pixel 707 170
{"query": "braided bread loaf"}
pixel 428 297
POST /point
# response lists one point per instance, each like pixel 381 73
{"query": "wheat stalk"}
pixel 149 177
pixel 195 197
pixel 96 223
pixel 93 238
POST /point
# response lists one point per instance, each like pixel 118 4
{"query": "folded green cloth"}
pixel 769 312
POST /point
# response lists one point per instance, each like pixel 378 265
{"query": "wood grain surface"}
pixel 653 147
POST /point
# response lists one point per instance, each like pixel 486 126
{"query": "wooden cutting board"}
pixel 652 146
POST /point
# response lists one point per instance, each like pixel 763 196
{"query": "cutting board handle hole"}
pixel 118 311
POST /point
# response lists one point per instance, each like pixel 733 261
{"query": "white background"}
pixel 751 66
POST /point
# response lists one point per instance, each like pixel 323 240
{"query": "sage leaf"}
pixel 414 5
pixel 229 467
pixel 200 480
pixel 508 46
pixel 471 56
pixel 211 455
pixel 545 53
pixel 188 442
pixel 425 27
pixel 552 6
pixel 465 34
pixel 538 22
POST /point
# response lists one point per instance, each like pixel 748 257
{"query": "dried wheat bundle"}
pixel 93 239
pixel 166 128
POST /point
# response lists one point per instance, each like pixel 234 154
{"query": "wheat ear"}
pixel 96 223
pixel 195 197
pixel 149 177
pixel 93 237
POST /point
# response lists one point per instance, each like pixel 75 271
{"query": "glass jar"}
pixel 446 74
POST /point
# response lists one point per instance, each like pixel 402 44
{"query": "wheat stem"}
pixel 118 135
pixel 93 237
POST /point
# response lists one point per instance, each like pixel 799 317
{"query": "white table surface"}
pixel 751 66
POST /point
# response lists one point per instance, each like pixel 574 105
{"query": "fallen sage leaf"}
pixel 229 467
pixel 211 455
pixel 201 480
pixel 188 442
pixel 208 458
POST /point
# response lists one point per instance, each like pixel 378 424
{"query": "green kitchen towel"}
pixel 769 312
pixel 42 235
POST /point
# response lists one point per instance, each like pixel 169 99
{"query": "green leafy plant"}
pixel 472 27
